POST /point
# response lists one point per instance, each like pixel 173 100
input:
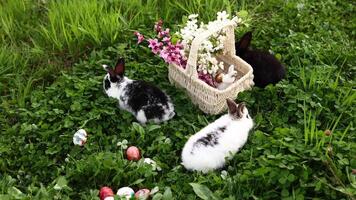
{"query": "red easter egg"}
pixel 133 153
pixel 142 194
pixel 105 192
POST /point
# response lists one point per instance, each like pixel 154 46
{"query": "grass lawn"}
pixel 51 54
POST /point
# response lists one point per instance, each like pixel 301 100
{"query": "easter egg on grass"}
pixel 133 153
pixel 142 194
pixel 80 137
pixel 106 193
pixel 126 192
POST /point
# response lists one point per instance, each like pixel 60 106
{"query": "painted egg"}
pixel 106 193
pixel 142 194
pixel 126 192
pixel 133 153
pixel 218 77
pixel 80 137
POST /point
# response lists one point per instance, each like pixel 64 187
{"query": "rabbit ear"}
pixel 244 43
pixel 231 106
pixel 240 109
pixel 109 70
pixel 120 67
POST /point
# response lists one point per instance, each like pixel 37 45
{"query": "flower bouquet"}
pixel 202 59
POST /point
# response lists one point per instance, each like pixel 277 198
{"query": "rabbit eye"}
pixel 248 116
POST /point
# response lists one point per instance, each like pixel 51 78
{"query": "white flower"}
pixel 213 61
pixel 206 61
pixel 221 38
pixel 224 174
pixel 193 16
pixel 153 164
pixel 236 20
pixel 221 65
pixel 222 16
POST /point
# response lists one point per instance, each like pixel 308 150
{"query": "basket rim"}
pixel 216 90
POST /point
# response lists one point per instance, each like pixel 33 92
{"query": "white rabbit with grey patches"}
pixel 145 101
pixel 207 149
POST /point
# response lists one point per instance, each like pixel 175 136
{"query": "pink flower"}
pixel 155 45
pixel 163 33
pixel 158 25
pixel 166 40
pixel 179 45
pixel 173 54
pixel 164 54
pixel 183 63
pixel 140 37
pixel 207 78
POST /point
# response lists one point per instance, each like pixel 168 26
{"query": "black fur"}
pixel 222 129
pixel 107 84
pixel 142 95
pixel 153 111
pixel 115 79
pixel 266 68
pixel 211 139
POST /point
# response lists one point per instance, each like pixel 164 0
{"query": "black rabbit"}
pixel 266 68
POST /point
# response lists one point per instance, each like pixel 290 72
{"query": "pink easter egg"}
pixel 142 194
pixel 133 153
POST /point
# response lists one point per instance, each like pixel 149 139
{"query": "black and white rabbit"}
pixel 145 101
pixel 266 68
pixel 207 149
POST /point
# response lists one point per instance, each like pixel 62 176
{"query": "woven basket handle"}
pixel 229 45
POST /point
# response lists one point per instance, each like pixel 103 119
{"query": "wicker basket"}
pixel 212 100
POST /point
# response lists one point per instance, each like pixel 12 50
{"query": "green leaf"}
pixel 202 191
pixel 16 193
pixel 278 56
pixel 167 195
pixel 285 193
pixel 138 181
pixel 282 180
pixel 291 177
pixel 318 186
pixel 138 128
pixel 242 13
pixel 157 196
pixel 153 127
pixel 61 183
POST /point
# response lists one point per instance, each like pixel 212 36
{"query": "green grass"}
pixel 50 84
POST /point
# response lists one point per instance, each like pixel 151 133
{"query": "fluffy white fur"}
pixel 206 158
